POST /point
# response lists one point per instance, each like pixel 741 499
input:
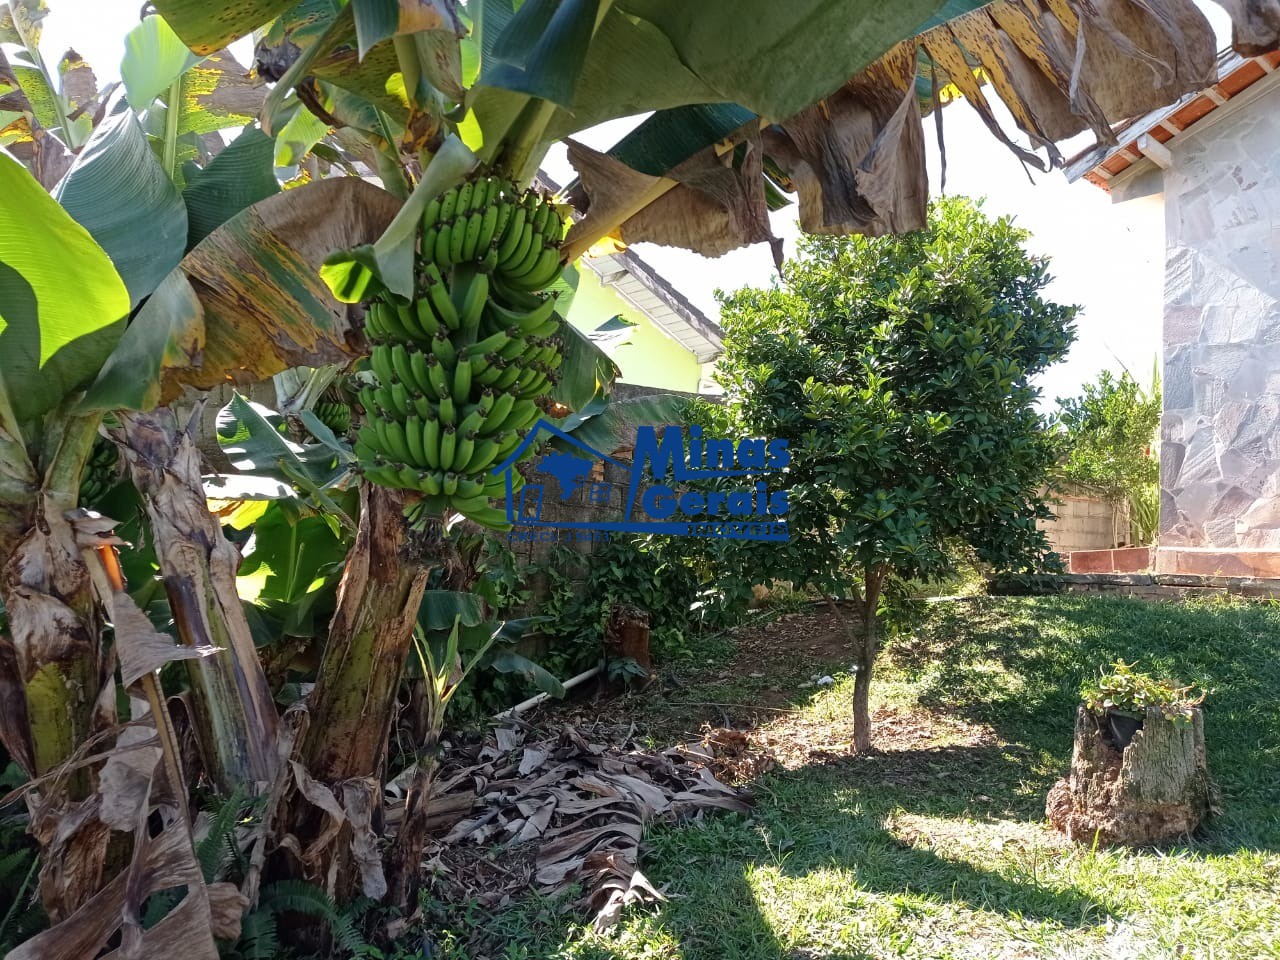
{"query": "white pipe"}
pixel 532 702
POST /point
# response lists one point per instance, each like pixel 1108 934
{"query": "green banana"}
pixel 448 203
pixel 472 421
pixel 535 388
pixel 443 243
pixel 485 452
pixel 380 360
pixel 473 301
pixel 544 271
pixel 513 348
pixel 433 483
pixel 462 375
pixel 488 225
pixel 523 249
pixel 489 344
pixel 490 371
pixel 513 238
pixel 450 483
pixel 463 448
pixel 408 316
pixel 448 443
pixel 469 488
pixel 400 363
pixel 509 376
pixel 471 238
pixel 448 412
pixel 440 385
pixel 413 437
pixel 522 414
pixel 418 367
pixel 427 318
pixel 399 443
pixel 502 405
pixel 409 477
pixel 439 294
pixel 525 321
pixel 400 402
pixel 522 299
pixel 431 215
pixel 431 443
pixel 520 267
pixel 444 349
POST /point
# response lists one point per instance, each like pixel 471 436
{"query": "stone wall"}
pixel 1220 452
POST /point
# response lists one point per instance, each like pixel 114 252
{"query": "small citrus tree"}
pixel 900 370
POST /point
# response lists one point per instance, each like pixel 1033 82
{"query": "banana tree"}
pixel 821 97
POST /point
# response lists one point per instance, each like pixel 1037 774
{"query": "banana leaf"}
pixel 62 303
pixel 262 306
pixel 117 190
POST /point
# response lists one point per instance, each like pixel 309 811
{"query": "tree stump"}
pixel 1156 789
pixel 626 635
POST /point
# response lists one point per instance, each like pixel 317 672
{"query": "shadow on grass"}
pixel 821 856
pixel 1017 665
pixel 857 854
pixel 821 862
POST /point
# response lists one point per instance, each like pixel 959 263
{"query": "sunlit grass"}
pixel 943 852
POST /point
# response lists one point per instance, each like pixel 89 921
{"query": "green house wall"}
pixel 649 358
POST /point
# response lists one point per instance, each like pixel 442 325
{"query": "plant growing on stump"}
pixel 1139 769
pixel 900 368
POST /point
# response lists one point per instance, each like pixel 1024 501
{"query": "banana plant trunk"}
pixel 354 702
pixel 234 711
pixel 55 686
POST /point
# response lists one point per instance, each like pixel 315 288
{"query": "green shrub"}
pixel 1131 693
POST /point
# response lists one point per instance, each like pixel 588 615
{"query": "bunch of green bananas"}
pixel 464 370
pixel 334 413
pixel 101 472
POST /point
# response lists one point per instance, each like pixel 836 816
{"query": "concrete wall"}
pixel 650 358
pixel 1220 451
pixel 1083 522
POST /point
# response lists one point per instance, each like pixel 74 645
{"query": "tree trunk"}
pixel 56 691
pixel 353 705
pixel 233 705
pixel 867 651
pixel 1154 790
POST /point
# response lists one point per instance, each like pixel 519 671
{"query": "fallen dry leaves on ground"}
pixel 526 808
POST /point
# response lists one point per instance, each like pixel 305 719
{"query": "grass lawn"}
pixel 937 847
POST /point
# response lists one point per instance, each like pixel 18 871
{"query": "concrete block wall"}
pixel 1084 522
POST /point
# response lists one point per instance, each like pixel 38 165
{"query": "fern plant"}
pixel 19 867
pixel 259 936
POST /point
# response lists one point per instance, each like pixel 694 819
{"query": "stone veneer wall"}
pixel 1220 452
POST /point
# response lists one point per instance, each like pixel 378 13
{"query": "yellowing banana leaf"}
pixel 262 305
pixel 378 20
pixel 206 26
pixel 218 93
pixel 62 303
